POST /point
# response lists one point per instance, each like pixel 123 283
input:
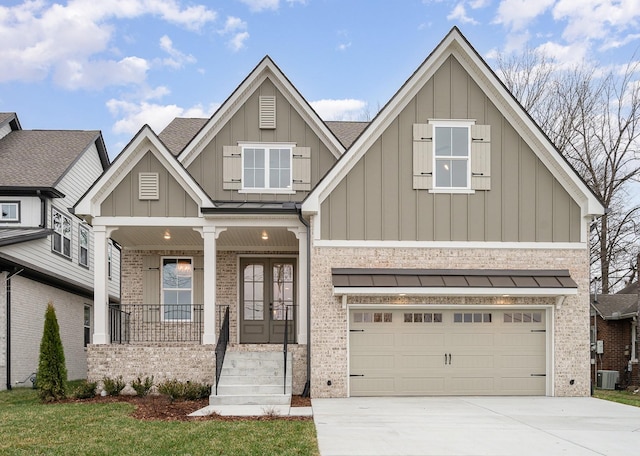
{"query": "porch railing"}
pixel 285 346
pixel 221 346
pixel 129 323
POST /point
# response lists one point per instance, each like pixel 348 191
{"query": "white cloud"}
pixel 566 56
pixel 237 29
pixel 517 14
pixel 475 4
pixel 176 58
pixel 459 13
pixel 261 5
pixel 237 41
pixel 345 109
pixel 344 46
pixel 132 116
pixel 40 39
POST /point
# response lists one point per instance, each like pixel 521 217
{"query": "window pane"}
pixel 437 318
pixel 357 317
pixel 169 276
pixel 428 318
pixel 67 246
pixel 83 257
pixel 443 173
pixel 460 141
pixel 417 318
pixel 458 173
pixel 408 318
pixel 443 141
pixel 170 297
pixel 184 297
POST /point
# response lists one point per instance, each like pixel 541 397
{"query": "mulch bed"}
pixel 162 408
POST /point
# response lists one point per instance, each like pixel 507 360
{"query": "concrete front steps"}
pixel 253 381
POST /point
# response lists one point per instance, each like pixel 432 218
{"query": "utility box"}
pixel 607 379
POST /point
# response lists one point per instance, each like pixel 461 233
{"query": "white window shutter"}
pixel 148 186
pixel 422 156
pixel 231 167
pixel 481 157
pixel 267 112
pixel 301 168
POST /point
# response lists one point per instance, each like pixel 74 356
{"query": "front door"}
pixel 267 293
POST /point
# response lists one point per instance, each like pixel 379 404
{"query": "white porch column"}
pixel 210 234
pixel 100 286
pixel 301 324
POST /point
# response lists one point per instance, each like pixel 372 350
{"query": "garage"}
pixel 430 351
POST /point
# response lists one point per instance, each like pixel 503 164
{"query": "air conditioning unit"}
pixel 607 379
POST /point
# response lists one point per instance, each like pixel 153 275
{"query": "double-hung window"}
pixel 177 289
pixel 83 246
pixel 451 156
pixel 61 233
pixel 266 168
pixel 9 211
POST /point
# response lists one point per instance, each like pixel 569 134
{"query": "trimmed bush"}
pixel 52 371
pixel 113 386
pixel 85 390
pixel 142 387
pixel 189 391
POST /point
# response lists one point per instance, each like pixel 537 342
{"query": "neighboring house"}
pixel 441 249
pixel 614 335
pixel 46 253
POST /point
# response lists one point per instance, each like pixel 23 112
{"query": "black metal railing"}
pixel 221 346
pixel 285 346
pixel 130 323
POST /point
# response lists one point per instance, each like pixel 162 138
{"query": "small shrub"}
pixel 85 390
pixel 52 371
pixel 113 386
pixel 189 391
pixel 142 387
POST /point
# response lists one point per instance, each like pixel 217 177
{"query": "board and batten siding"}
pixel 244 126
pixel 376 200
pixel 173 200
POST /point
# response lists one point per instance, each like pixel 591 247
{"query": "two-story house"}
pixel 440 249
pixel 46 252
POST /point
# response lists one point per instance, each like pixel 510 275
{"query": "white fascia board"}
pixel 148 221
pixel 452 291
pixel 265 69
pixel 450 245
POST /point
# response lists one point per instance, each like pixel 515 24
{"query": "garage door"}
pixel 447 352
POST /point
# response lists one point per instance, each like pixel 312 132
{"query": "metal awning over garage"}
pixel 449 282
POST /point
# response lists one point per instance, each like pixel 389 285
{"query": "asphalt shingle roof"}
pixel 346 132
pixel 38 158
pixel 624 305
pixel 179 132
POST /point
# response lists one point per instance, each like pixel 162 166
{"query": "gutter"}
pixel 8 298
pixel 306 392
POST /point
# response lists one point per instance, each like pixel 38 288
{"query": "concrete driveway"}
pixel 475 426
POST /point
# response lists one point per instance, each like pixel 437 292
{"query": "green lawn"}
pixel 29 427
pixel 624 397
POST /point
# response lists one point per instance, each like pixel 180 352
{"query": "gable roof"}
pixel 346 131
pixel 10 118
pixel 457 45
pixel 40 158
pixel 632 288
pixel 144 141
pixel 615 306
pixel 266 69
pixel 179 132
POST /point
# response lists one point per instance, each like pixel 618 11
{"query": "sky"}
pixel 115 65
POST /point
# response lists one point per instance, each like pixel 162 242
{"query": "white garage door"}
pixel 447 352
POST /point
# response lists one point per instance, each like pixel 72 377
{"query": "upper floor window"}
pixel 451 156
pixel 61 233
pixel 266 167
pixel 83 245
pixel 177 288
pixel 9 211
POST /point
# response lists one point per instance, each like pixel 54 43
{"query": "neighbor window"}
pixel 83 245
pixel 177 288
pixel 87 325
pixel 61 233
pixel 451 156
pixel 266 167
pixel 10 211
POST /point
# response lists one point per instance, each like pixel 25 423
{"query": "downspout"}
pixel 43 210
pixel 8 298
pixel 307 386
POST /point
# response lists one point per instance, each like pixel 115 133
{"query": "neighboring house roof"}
pixel 457 45
pixel 179 132
pixel 632 288
pixel 10 236
pixel 616 306
pixel 40 158
pixel 346 131
pixel 8 117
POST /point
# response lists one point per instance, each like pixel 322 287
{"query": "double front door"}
pixel 267 292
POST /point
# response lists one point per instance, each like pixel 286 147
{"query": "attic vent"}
pixel 268 112
pixel 148 188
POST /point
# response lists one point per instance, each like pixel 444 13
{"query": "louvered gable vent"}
pixel 148 186
pixel 267 112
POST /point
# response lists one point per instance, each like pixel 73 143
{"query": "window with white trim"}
pixel 177 288
pixel 61 224
pixel 266 168
pixel 83 245
pixel 451 156
pixel 9 211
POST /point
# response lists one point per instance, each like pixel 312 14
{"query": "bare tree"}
pixel 594 121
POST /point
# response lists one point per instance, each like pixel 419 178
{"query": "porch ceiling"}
pixel 186 238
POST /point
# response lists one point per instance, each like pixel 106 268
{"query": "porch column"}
pixel 210 234
pixel 301 235
pixel 100 287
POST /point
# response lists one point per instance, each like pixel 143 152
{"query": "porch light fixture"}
pixel 167 235
pixel 265 236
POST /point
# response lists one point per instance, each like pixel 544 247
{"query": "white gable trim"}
pixel 455 44
pixel 145 141
pixel 266 69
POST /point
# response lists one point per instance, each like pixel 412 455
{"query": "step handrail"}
pixel 221 346
pixel 285 345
